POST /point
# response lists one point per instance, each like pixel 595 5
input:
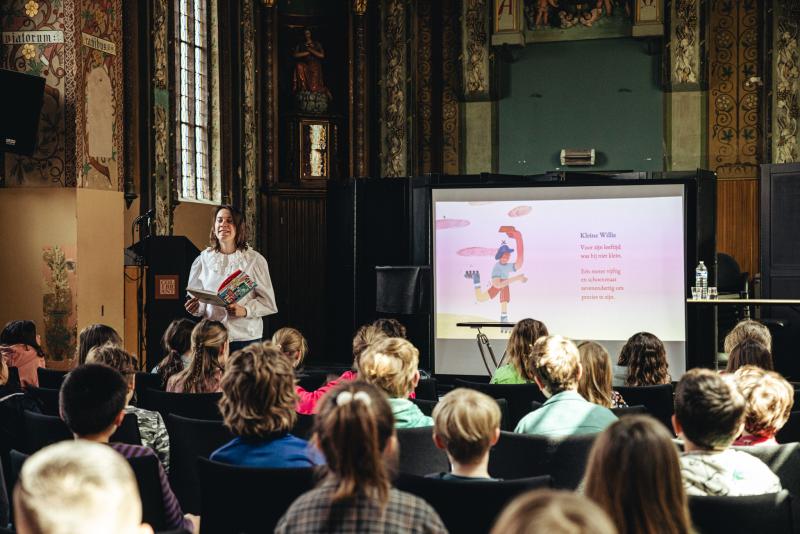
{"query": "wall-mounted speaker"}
pixel 21 96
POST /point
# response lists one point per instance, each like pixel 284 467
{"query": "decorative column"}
pixel 359 162
pixel 395 133
pixel 786 82
pixel 480 110
pixel 451 87
pixel 685 97
pixel 250 182
pixel 163 155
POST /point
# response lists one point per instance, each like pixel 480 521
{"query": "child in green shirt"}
pixel 523 336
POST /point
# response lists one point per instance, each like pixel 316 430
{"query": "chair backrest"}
pixel 147 381
pixel 629 410
pixel 128 431
pixel 304 426
pixel 426 389
pixel 419 454
pixel 518 396
pixel 657 399
pixel 521 455
pixel 46 397
pixel 425 406
pixel 755 513
pixel 194 405
pixel 245 500
pixel 50 378
pixel 790 433
pixel 783 460
pixel 145 469
pixel 13 378
pixel 468 506
pixel 188 440
pixel 42 430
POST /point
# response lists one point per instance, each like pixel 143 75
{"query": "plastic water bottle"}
pixel 701 279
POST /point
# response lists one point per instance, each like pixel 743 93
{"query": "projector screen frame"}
pixel 699 225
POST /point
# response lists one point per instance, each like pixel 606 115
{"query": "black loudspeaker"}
pixel 22 97
pixel 168 260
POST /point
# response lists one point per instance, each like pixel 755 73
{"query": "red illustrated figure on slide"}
pixel 501 273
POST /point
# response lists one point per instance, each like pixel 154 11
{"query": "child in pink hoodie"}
pixel 21 348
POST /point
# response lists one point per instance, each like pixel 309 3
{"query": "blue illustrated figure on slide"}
pixel 502 273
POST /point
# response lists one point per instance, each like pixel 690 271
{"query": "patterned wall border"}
pixel 424 89
pixel 685 45
pixel 451 87
pixel 394 69
pixel 250 188
pixel 786 79
pixel 359 160
pixel 162 155
pixel 475 51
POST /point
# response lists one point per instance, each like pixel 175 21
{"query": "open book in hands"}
pixel 230 291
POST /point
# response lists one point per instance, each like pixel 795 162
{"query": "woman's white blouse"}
pixel 211 268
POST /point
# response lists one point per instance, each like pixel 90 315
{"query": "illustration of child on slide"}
pixel 501 273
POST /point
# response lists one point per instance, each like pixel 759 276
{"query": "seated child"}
pixel 177 344
pixel 93 336
pixel 748 329
pixel 749 352
pixel 768 401
pixel 390 327
pixel 520 343
pixel 77 487
pixel 355 430
pixel 152 429
pixel 556 368
pixel 709 411
pixel 596 380
pixel 209 352
pixel 22 349
pixel 257 405
pixel 466 425
pixel 92 401
pixel 552 511
pixel 391 364
pixel 644 358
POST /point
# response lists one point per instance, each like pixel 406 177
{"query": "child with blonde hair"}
pixel 466 425
pixel 391 365
pixel 768 401
pixel 210 347
pixel 555 365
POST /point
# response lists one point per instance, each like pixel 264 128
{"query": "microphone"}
pixel 147 215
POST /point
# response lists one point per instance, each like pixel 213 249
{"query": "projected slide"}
pixel 600 268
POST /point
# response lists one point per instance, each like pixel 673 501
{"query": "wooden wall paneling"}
pixel 737 222
pixel 297 259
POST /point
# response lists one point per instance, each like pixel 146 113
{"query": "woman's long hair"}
pixel 93 336
pixel 634 475
pixel 646 358
pixel 176 342
pixel 353 428
pixel 520 343
pixel 208 343
pixel 596 379
pixel 21 333
pixel 750 352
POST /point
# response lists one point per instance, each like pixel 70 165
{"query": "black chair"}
pixel 304 426
pixel 147 381
pixel 419 454
pixel 518 396
pixel 247 500
pixel 15 467
pixel 4 502
pixel 629 410
pixel 426 406
pixel 47 399
pixel 756 513
pixel 128 431
pixel 790 433
pixel 731 283
pixel 522 456
pixel 468 506
pixel 193 405
pixel 50 378
pixel 146 470
pixel 312 379
pixel 783 460
pixel 426 389
pixel 13 382
pixel 657 399
pixel 42 430
pixel 188 440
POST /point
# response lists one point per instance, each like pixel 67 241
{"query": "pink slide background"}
pixel 649 230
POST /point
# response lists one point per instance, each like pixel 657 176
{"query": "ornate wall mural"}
pixel 99 134
pixel 786 80
pixel 424 89
pixel 733 92
pixel 394 71
pixel 685 44
pixel 250 134
pixel 59 302
pixel 164 187
pixel 54 160
pixel 475 48
pixel 451 87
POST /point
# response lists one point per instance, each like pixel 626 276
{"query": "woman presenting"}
pixel 228 252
